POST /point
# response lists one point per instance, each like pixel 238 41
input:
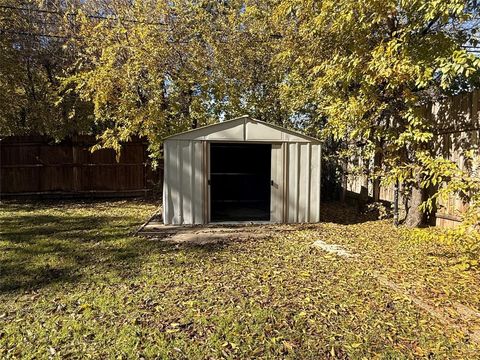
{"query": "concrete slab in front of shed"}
pixel 211 233
pixel 213 237
pixel 158 229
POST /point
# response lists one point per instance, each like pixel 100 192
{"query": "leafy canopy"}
pixel 155 68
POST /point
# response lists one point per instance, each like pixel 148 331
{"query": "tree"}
pixel 33 55
pixel 372 68
pixel 156 68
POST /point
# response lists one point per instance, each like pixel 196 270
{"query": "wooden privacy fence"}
pixel 459 131
pixel 35 165
pixel 457 120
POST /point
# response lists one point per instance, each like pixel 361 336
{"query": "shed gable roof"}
pixel 243 128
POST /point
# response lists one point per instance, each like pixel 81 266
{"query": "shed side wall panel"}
pixel 165 192
pixel 183 201
pixel 199 179
pixel 303 182
pixel 276 201
pixel 292 178
pixel 315 170
pixel 186 174
pixel 302 167
pixel 176 183
pixel 172 202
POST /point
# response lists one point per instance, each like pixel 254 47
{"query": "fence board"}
pixel 36 165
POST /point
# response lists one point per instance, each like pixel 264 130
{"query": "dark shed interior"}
pixel 240 176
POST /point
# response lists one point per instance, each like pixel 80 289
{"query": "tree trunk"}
pixel 377 164
pixel 343 195
pixel 415 217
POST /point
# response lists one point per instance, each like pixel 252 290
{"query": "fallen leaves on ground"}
pixel 75 283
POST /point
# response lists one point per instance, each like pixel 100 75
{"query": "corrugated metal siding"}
pixel 183 191
pixel 277 194
pixel 315 180
pixel 303 182
pixel 295 173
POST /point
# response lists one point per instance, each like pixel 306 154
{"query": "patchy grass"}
pixel 75 283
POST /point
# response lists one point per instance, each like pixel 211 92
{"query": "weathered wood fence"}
pixel 36 165
pixel 458 130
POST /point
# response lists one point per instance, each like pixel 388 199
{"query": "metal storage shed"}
pixel 241 170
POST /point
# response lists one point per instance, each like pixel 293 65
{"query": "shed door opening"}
pixel 240 181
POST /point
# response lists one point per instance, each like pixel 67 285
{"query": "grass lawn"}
pixel 75 283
